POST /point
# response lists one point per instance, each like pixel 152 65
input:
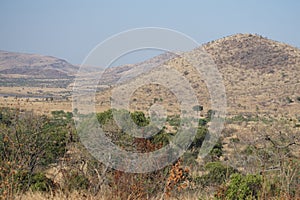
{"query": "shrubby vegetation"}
pixel 241 187
pixel 31 146
pixel 217 173
pixel 42 82
pixel 28 144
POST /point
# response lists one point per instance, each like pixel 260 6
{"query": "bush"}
pixel 24 180
pixel 209 114
pixel 39 138
pixel 161 138
pixel 174 121
pixel 139 118
pixel 28 144
pixel 217 151
pixel 199 138
pixel 40 182
pixel 241 187
pixel 202 122
pixel 217 173
pixel 105 116
pixel 76 181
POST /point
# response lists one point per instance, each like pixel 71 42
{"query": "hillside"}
pixel 256 155
pixel 262 84
pixel 116 75
pixel 35 66
pixel 32 70
pixel 259 74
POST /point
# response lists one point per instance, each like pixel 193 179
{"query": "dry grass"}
pixel 260 76
pixel 60 196
pixel 101 196
pixel 38 105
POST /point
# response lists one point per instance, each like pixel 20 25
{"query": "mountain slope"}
pixel 260 75
pixel 34 66
pixel 250 51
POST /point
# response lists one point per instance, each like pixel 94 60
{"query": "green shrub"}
pixel 76 181
pixel 248 150
pixel 217 151
pixel 216 174
pixel 242 187
pixel 40 182
pixel 105 116
pixel 35 182
pixel 202 122
pixel 234 140
pixel 161 138
pixel 39 138
pixel 199 138
pixel 174 120
pixel 139 118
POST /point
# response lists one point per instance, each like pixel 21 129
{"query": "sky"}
pixel 70 29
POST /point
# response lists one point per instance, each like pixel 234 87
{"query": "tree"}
pixel 198 108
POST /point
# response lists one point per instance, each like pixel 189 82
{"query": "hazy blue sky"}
pixel 69 29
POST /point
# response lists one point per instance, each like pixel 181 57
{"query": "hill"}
pixel 34 66
pixel 256 155
pixel 259 74
pixel 20 69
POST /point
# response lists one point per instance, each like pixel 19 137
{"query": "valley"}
pixel 260 142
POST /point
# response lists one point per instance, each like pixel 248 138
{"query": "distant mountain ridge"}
pixel 34 66
pixel 246 51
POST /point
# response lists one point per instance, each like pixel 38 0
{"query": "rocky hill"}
pixel 259 74
pixel 252 52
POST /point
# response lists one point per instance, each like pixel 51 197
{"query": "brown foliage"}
pixel 177 179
